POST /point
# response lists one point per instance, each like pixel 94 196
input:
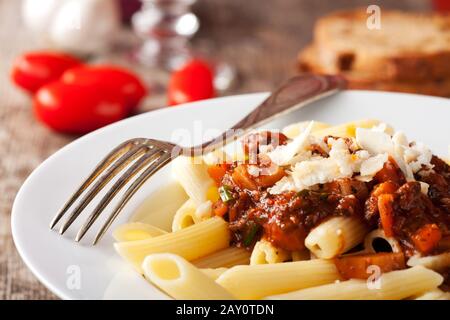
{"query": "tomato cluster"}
pixel 192 82
pixel 72 97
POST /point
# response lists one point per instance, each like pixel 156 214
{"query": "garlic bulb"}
pixel 78 26
pixel 37 14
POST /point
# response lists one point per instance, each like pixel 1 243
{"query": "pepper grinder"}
pixel 165 28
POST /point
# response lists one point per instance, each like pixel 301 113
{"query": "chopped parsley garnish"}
pixel 225 194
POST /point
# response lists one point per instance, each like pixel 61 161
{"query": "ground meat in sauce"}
pixel 251 143
pixel 286 219
pixel 445 286
pixel 317 150
pixel 439 181
pixel 352 147
pixel 412 210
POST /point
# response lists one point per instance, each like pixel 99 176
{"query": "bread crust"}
pixel 308 62
pixel 439 88
pixel 408 47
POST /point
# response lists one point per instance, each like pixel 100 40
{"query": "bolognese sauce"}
pixel 417 220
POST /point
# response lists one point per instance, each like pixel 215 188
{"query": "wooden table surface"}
pixel 259 37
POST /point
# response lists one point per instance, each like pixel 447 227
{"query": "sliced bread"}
pixel 358 80
pixel 408 46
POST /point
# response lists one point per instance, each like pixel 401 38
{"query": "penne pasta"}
pixel 394 285
pixel 257 281
pixel 214 273
pixel 347 177
pixel 185 216
pixel 204 210
pixel 376 235
pixel 227 258
pixel 191 243
pixel 435 294
pixel 335 236
pixel 193 176
pixel 437 262
pixel 180 279
pixel 264 252
pixel 293 130
pixel 160 207
pixel 134 231
pixel 346 130
pixel 189 214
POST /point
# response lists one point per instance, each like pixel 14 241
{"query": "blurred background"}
pixel 249 46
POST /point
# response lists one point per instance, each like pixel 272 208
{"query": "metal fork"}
pixel 149 155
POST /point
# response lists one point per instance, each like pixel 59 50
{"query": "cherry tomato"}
pixel 441 5
pixel 194 81
pixel 112 78
pixel 33 70
pixel 78 108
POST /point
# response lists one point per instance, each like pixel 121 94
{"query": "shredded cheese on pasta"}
pixel 374 147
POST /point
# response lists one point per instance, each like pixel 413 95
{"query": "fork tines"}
pixel 142 154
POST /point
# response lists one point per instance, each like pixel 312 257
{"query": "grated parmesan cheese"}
pixel 373 148
pixel 282 155
pixel 371 166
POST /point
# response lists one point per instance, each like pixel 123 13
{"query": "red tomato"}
pixel 441 5
pixel 33 70
pixel 111 78
pixel 194 81
pixel 77 108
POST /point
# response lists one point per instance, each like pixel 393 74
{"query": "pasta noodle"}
pixel 189 214
pixel 437 262
pixel 331 181
pixel 257 281
pixel 346 130
pixel 393 285
pixel 191 243
pixel 227 258
pixel 192 174
pixel 204 210
pixel 180 279
pixel 379 234
pixel 335 236
pixel 435 294
pixel 293 130
pixel 214 273
pixel 264 252
pixel 160 207
pixel 185 216
pixel 136 231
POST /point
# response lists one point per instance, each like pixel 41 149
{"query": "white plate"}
pixel 79 271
